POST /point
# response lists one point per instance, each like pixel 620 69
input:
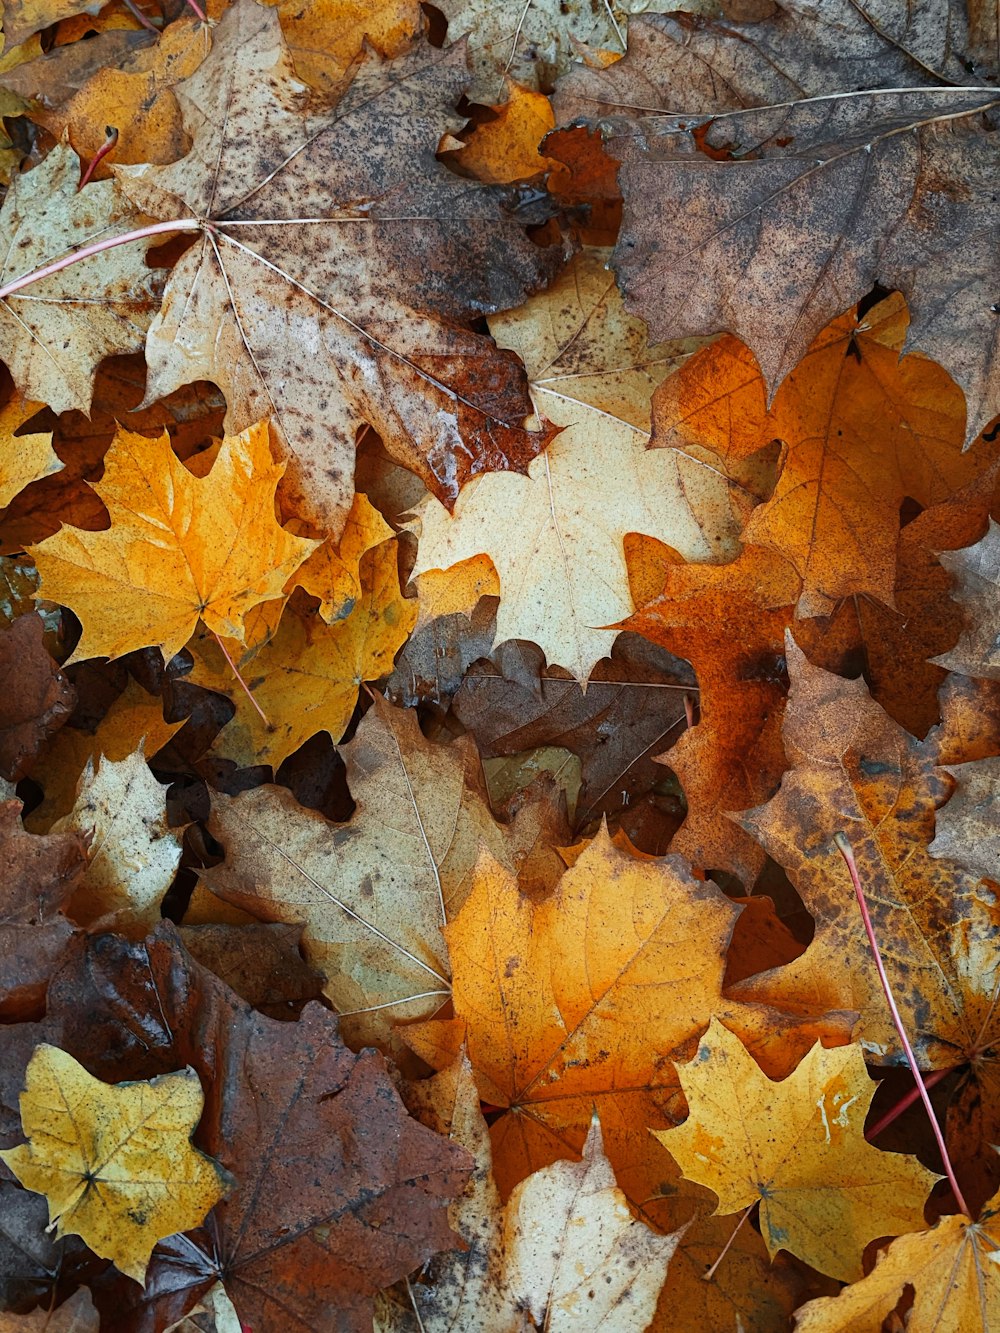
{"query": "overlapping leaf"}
pixel 329 282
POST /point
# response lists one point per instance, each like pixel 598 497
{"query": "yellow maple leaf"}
pixel 952 1269
pixel 799 1147
pixel 23 458
pixel 179 547
pixel 115 1162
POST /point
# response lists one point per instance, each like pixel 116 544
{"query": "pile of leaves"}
pixel 494 494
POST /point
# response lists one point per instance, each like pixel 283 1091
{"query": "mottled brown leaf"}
pixel 35 696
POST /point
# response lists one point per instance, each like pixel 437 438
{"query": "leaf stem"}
pixel 905 1102
pixel 847 852
pixel 193 4
pixel 110 141
pixel 153 229
pixel 236 672
pixel 707 1276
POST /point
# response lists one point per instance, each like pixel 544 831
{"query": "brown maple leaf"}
pixel 335 266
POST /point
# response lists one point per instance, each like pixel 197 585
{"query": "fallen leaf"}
pixel 592 374
pixel 837 193
pixel 54 333
pixel 261 963
pixel 337 1190
pixel 77 1315
pixel 951 1270
pixel 564 1254
pixel 199 547
pixel 133 855
pixel 729 622
pixel 23 17
pixel 583 999
pixel 853 770
pixel 35 696
pixel 798 1147
pixel 505 148
pixel 334 323
pixel 977 573
pixel 23 458
pixel 115 1163
pixel 306 678
pixel 864 428
pixel 374 893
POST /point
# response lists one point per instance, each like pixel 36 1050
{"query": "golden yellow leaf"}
pixel 331 572
pixel 179 547
pixel 325 36
pixel 952 1269
pixel 442 592
pixel 23 458
pixel 506 148
pixel 306 678
pixel 115 1162
pixel 799 1147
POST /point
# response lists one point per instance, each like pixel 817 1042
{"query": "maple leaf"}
pixel 564 1253
pixel 591 373
pixel 799 1147
pixel 208 547
pixel 977 573
pixel 704 63
pixel 23 458
pixel 855 771
pixel 308 294
pixel 23 17
pixel 326 36
pixel 338 1191
pixel 374 908
pixel 838 193
pixel 332 573
pixel 54 333
pixel 260 962
pixel 952 1271
pixel 35 696
pixel 115 1163
pixel 133 855
pixel 583 999
pixel 306 678
pixel 40 875
pixel 729 622
pixel 134 721
pixel 632 708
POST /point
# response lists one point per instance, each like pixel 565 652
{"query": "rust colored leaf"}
pixel 585 998
pixel 338 1191
pixel 729 622
pixel 35 696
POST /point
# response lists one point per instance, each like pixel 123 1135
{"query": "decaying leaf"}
pixel 115 1163
pixel 23 458
pixel 133 854
pixel 207 547
pixel 799 1147
pixel 376 892
pixel 339 320
pixel 967 829
pixel 836 194
pixel 591 374
pixel 54 333
pixel 35 696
